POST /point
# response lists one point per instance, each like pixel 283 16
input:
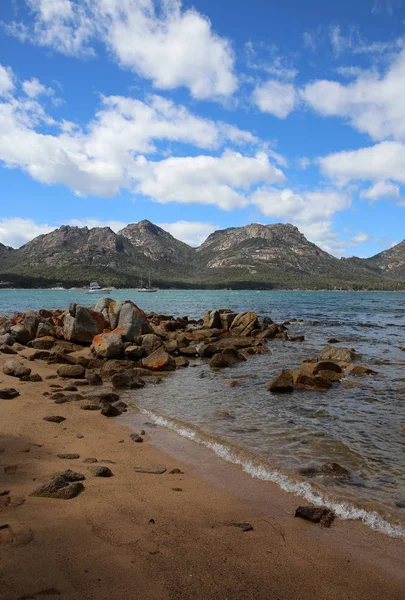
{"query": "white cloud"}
pixel 311 211
pixel 193 233
pixel 373 103
pixel 262 57
pixel 16 232
pixel 158 40
pixel 359 238
pixel 221 181
pixel 34 88
pixel 275 98
pixel 383 161
pixel 382 190
pixel 6 80
pixel 101 158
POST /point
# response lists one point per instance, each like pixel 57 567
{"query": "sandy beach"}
pixel 141 535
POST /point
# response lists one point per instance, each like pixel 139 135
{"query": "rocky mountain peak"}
pixel 155 242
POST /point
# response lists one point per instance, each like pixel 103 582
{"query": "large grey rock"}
pixel 82 327
pixel 130 314
pixel 159 360
pixel 102 304
pixel 107 345
pixel 15 368
pixel 45 329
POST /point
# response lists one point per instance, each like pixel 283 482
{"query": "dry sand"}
pixel 103 545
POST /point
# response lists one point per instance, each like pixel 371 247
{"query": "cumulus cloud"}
pixel 275 98
pixel 193 233
pixel 158 40
pixel 383 161
pixel 16 232
pixel 104 156
pixel 34 88
pixel 381 190
pixel 222 181
pixel 372 103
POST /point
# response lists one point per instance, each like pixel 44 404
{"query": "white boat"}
pixel 146 289
pixel 94 288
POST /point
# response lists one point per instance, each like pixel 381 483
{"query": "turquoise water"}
pixel 357 423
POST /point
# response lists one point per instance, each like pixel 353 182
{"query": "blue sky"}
pixel 204 115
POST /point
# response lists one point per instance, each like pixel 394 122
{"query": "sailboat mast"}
pixel 149 278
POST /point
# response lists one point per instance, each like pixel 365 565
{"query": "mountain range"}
pixel 254 256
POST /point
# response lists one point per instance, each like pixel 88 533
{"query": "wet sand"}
pixel 103 545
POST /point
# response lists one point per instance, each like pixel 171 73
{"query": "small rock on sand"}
pixel 90 460
pixel 55 419
pixel 69 456
pixel 153 469
pixel 316 514
pixel 241 525
pixel 136 438
pixel 100 471
pixel 8 393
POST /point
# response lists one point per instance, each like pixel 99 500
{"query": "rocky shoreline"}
pixel 62 368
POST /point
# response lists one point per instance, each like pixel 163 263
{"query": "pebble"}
pixel 100 471
pixel 55 419
pixel 136 438
pixel 69 456
pixel 90 460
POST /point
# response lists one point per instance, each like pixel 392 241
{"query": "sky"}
pixel 205 115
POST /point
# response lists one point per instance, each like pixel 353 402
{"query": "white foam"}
pixel 300 488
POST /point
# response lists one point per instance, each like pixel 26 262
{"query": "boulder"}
pixel 316 515
pixel 327 366
pixel 227 319
pixel 64 486
pixel 270 332
pixel 21 334
pixel 42 343
pixel 107 345
pixel 45 329
pixel 151 342
pixel 135 352
pixel 100 471
pixel 110 411
pixel 8 393
pixel 15 368
pixel 334 353
pixel 109 367
pixel 31 323
pixel 226 358
pixel 93 378
pixel 282 383
pixel 212 319
pixel 72 371
pixel 244 323
pixel 84 325
pixel 7 339
pixel 359 370
pixel 4 349
pixel 159 360
pixel 103 304
pixel 304 381
pixel 181 361
pixel 131 314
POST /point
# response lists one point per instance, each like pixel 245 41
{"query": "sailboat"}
pixel 146 289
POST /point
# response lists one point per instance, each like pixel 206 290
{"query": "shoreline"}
pixel 101 544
